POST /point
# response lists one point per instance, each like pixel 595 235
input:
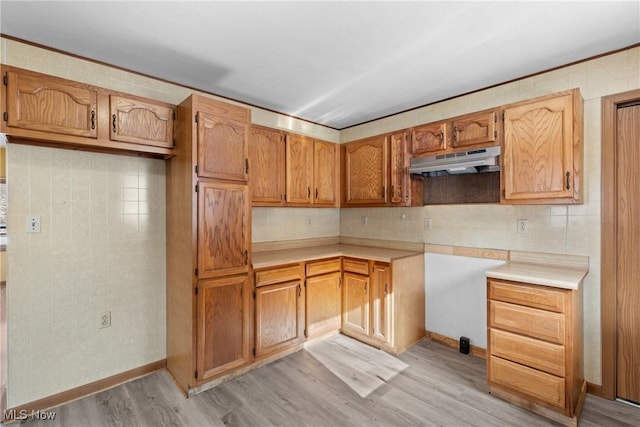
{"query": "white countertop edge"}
pixel 538 274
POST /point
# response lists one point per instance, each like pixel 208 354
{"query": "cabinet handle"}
pixel 365 287
pixel 455 134
pixel 299 290
pixel 93 119
pixel 441 136
pixel 246 257
pixel 386 288
pixel 316 193
pixel 308 192
pixel 568 184
pixel 383 191
pixel 114 123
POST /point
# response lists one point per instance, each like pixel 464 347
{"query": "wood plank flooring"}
pixel 427 385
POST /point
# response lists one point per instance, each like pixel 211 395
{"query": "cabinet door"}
pixel 538 149
pixel 355 305
pixel 267 159
pixel 222 147
pixel 382 302
pixel 279 317
pixel 475 129
pixel 223 307
pixel 299 169
pixel 366 171
pixel 140 121
pixel 49 104
pixel 400 184
pixel 223 229
pixel 430 138
pixel 323 306
pixel 325 173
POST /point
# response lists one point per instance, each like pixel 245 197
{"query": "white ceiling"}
pixel 333 63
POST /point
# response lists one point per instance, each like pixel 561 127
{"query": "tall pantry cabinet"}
pixel 208 243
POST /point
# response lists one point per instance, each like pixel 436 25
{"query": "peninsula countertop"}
pixel 287 256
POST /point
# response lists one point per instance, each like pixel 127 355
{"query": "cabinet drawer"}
pixel 527 321
pixel 546 298
pixel 355 266
pixel 322 267
pixel 531 352
pixel 278 275
pixel 531 382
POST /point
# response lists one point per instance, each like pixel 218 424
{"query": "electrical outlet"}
pixel 33 223
pixel 523 226
pixel 105 319
pixel 427 223
pixel 364 221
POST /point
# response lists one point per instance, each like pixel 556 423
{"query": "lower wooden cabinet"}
pixel 279 309
pixel 534 351
pixel 355 305
pixel 279 317
pixel 381 303
pixel 370 292
pixel 323 286
pixel 223 325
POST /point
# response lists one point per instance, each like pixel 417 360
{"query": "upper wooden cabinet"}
pixel 299 155
pixel 223 142
pixel 48 110
pixel 293 170
pixel 376 172
pixel 50 104
pixel 542 150
pixel 325 173
pixel 312 171
pixel 474 130
pixel 140 121
pixel 429 139
pixel 366 165
pixel 267 160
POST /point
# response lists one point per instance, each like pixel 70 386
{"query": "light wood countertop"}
pixel 288 256
pixel 540 274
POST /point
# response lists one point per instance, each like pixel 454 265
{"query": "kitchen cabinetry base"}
pixel 569 421
pixel 206 385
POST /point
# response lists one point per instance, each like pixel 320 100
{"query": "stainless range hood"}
pixel 472 161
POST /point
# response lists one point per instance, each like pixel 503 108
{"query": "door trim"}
pixel 609 221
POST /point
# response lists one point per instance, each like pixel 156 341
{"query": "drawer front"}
pixel 531 352
pixel 538 385
pixel 278 275
pixel 527 321
pixel 322 267
pixel 534 296
pixel 356 266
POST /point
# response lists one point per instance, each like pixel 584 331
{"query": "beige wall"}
pixel 555 229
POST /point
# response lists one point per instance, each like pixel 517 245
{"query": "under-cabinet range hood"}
pixel 471 161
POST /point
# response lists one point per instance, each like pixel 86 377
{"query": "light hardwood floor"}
pixel 430 385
